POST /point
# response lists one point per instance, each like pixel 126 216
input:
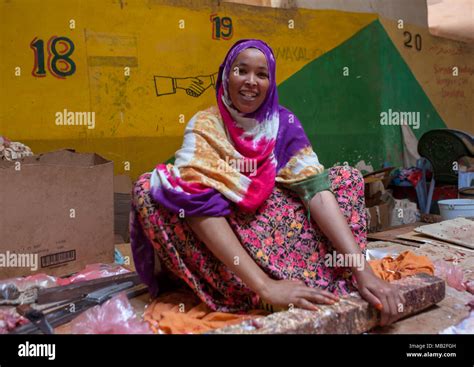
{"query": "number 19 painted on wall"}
pixel 221 27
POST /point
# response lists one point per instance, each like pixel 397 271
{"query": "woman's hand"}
pixel 382 295
pixel 284 293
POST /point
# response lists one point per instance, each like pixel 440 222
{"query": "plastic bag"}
pixel 23 290
pixel 116 316
pixel 466 326
pixel 37 280
pixel 10 319
pixel 452 274
pixel 470 286
pixel 94 271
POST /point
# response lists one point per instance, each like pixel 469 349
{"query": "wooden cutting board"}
pixel 459 231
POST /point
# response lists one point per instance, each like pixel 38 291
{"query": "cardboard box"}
pixel 404 212
pixel 376 184
pixel 57 213
pixel 122 205
pixel 378 217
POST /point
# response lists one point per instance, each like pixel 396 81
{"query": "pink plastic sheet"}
pixel 10 319
pixel 94 271
pixel 452 274
pixel 116 316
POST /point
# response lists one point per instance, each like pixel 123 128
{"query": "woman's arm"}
pixel 216 233
pixel 382 295
pixel 219 238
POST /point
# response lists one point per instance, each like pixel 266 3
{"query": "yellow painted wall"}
pixel 132 123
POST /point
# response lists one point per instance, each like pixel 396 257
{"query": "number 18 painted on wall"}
pixel 59 62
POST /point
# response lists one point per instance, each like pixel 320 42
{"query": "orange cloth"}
pixel 406 264
pixel 182 313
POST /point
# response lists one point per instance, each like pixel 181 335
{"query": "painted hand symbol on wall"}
pixel 194 86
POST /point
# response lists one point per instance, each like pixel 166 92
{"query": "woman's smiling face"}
pixel 249 80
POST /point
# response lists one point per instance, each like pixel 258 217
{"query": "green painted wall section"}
pixel 341 114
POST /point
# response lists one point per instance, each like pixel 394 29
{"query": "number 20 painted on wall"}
pixel 59 62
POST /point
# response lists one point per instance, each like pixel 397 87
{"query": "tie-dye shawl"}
pixel 229 157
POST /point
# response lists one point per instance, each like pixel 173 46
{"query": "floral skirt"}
pixel 278 236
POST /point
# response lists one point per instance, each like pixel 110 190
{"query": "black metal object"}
pixel 37 318
pixel 81 289
pixel 443 147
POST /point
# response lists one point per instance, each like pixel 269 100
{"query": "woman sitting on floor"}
pixel 247 215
